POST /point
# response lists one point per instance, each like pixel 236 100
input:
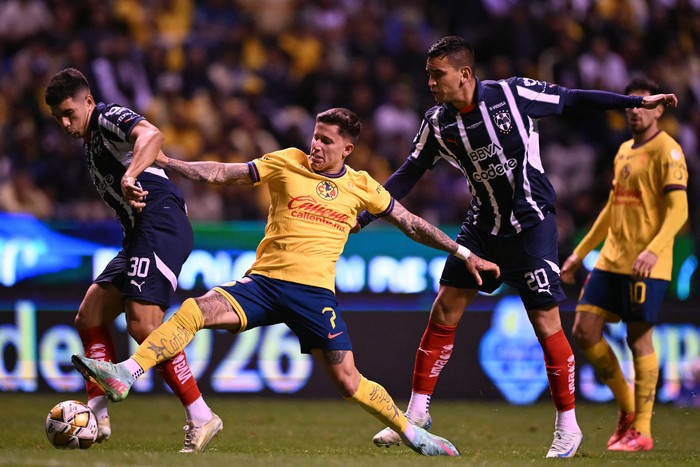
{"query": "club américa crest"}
pixel 327 190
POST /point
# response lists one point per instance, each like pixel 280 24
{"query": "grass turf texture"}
pixel 146 431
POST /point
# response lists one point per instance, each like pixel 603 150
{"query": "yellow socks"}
pixel 170 337
pixel 608 370
pixel 646 370
pixel 377 401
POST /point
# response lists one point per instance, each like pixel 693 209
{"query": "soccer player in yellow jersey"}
pixel 647 207
pixel 315 200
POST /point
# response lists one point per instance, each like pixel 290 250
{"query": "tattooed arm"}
pixel 423 232
pixel 208 171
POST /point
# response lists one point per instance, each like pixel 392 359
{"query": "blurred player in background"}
pixel 488 130
pixel 120 151
pixel 647 207
pixel 315 200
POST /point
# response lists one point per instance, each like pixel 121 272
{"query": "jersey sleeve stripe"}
pixel 668 188
pixel 388 209
pixel 537 96
pixel 253 171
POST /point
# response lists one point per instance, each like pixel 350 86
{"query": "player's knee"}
pixel 79 321
pixel 445 312
pixel 347 380
pixel 583 336
pixel 640 346
pixel 347 385
pixel 139 330
pixel 84 319
pixel 346 389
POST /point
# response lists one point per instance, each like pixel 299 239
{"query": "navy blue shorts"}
pixel 151 258
pixel 529 262
pixel 312 313
pixel 619 297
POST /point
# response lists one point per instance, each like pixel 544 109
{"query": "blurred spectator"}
pixel 120 74
pixel 195 73
pixel 559 64
pixel 20 194
pixel 77 55
pixel 271 17
pixel 680 72
pixel 182 138
pixel 203 204
pixel 602 68
pixel 213 21
pixel 21 20
pixel 570 165
pixel 396 121
pixel 303 47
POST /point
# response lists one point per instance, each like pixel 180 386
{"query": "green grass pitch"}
pixel 298 432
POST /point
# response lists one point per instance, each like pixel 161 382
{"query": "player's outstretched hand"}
pixel 569 268
pixel 476 265
pixel 667 100
pixel 133 193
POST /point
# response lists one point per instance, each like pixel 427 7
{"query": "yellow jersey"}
pixel 310 216
pixel 643 176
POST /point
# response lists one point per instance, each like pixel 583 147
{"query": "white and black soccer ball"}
pixel 71 425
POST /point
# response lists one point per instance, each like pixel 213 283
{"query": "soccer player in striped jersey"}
pixel 315 200
pixel 646 208
pixel 488 131
pixel 120 150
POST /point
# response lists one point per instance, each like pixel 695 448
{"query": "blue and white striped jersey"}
pixel 496 146
pixel 109 152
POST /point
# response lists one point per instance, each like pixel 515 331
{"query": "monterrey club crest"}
pixel 503 120
pixel 327 190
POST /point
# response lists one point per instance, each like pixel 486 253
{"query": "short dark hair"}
pixel 458 51
pixel 347 121
pixel 64 85
pixel 643 84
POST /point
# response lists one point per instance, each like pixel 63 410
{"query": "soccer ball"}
pixel 71 425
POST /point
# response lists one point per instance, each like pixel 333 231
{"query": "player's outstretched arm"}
pixel 667 100
pixel 218 173
pixel 423 232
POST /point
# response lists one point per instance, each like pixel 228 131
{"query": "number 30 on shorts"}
pixel 138 267
pixel 638 292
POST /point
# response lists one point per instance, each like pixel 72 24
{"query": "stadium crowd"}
pixel 231 80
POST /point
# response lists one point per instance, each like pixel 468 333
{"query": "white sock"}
pixel 198 412
pixel 566 421
pixel 133 367
pixel 418 405
pixel 98 405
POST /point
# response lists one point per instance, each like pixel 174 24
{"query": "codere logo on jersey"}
pixel 495 170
